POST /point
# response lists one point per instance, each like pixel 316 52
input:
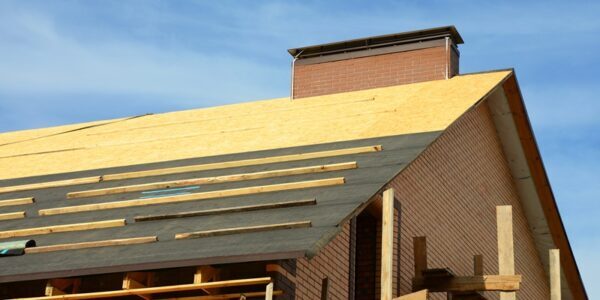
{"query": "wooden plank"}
pixel 387 244
pixel 478 264
pixel 229 296
pixel 242 163
pixel 268 291
pixel 207 274
pixel 49 184
pixel 420 255
pixel 506 283
pixel 62 286
pixel 213 180
pixel 12 215
pixel 138 280
pixel 161 289
pixel 195 196
pixel 17 201
pixel 61 228
pixel 506 254
pixel 554 260
pixel 420 295
pixel 238 230
pixel 227 210
pixel 92 244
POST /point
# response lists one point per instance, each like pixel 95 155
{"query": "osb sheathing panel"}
pixel 261 125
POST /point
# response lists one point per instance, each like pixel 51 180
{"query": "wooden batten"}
pixel 420 295
pixel 242 163
pixel 61 228
pixel 92 244
pixel 213 180
pixel 49 184
pixel 17 201
pixel 387 245
pixel 238 230
pixel 12 215
pixel 502 283
pixel 269 291
pixel 195 196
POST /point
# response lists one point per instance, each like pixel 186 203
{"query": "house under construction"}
pixel 386 174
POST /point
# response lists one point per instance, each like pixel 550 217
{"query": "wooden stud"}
pixel 478 264
pixel 242 163
pixel 227 210
pixel 387 244
pixel 195 196
pixel 506 283
pixel 420 295
pixel 92 244
pixel 49 184
pixel 555 289
pixel 420 255
pixel 235 296
pixel 238 230
pixel 162 289
pixel 269 291
pixel 12 215
pixel 138 280
pixel 18 201
pixel 212 180
pixel 506 255
pixel 60 286
pixel 207 274
pixel 61 228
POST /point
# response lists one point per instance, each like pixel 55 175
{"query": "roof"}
pixel 305 165
pixel 246 127
pixel 372 42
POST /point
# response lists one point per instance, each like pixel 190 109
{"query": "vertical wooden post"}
pixel 478 264
pixel 506 254
pixel 554 257
pixel 420 255
pixel 269 291
pixel 387 244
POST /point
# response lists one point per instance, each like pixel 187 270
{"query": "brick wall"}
pixel 449 194
pixel 332 262
pixel 372 72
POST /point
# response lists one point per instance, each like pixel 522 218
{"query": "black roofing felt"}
pixel 334 205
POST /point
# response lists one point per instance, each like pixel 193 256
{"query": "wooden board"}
pixel 49 184
pixel 242 163
pixel 554 262
pixel 505 283
pixel 226 210
pixel 92 244
pixel 12 215
pixel 238 230
pixel 212 180
pixel 236 296
pixel 17 201
pixel 420 295
pixel 194 197
pixel 506 253
pixel 387 244
pixel 61 228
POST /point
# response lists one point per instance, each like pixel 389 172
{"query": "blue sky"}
pixel 72 61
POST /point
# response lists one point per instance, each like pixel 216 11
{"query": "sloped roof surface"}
pixel 403 120
pixel 253 126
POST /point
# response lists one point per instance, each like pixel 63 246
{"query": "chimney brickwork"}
pixel 371 63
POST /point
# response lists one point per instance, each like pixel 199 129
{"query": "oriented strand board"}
pixel 253 126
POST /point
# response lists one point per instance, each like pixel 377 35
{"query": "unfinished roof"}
pixel 254 126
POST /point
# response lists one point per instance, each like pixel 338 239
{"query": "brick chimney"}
pixel 373 62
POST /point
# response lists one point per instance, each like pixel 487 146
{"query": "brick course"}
pixel 373 71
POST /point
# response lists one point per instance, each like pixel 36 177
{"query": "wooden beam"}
pixel 92 244
pixel 161 289
pixel 555 289
pixel 229 296
pixel 387 244
pixel 238 230
pixel 420 255
pixel 227 210
pixel 206 274
pixel 269 291
pixel 138 280
pixel 12 215
pixel 61 228
pixel 420 295
pixel 17 201
pixel 62 286
pixel 506 283
pixel 478 264
pixel 49 184
pixel 195 196
pixel 212 180
pixel 242 163
pixel 506 254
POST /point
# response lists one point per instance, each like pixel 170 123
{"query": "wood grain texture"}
pixel 49 184
pixel 12 215
pixel 506 252
pixel 387 244
pixel 555 289
pixel 238 230
pixel 17 201
pixel 61 228
pixel 92 244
